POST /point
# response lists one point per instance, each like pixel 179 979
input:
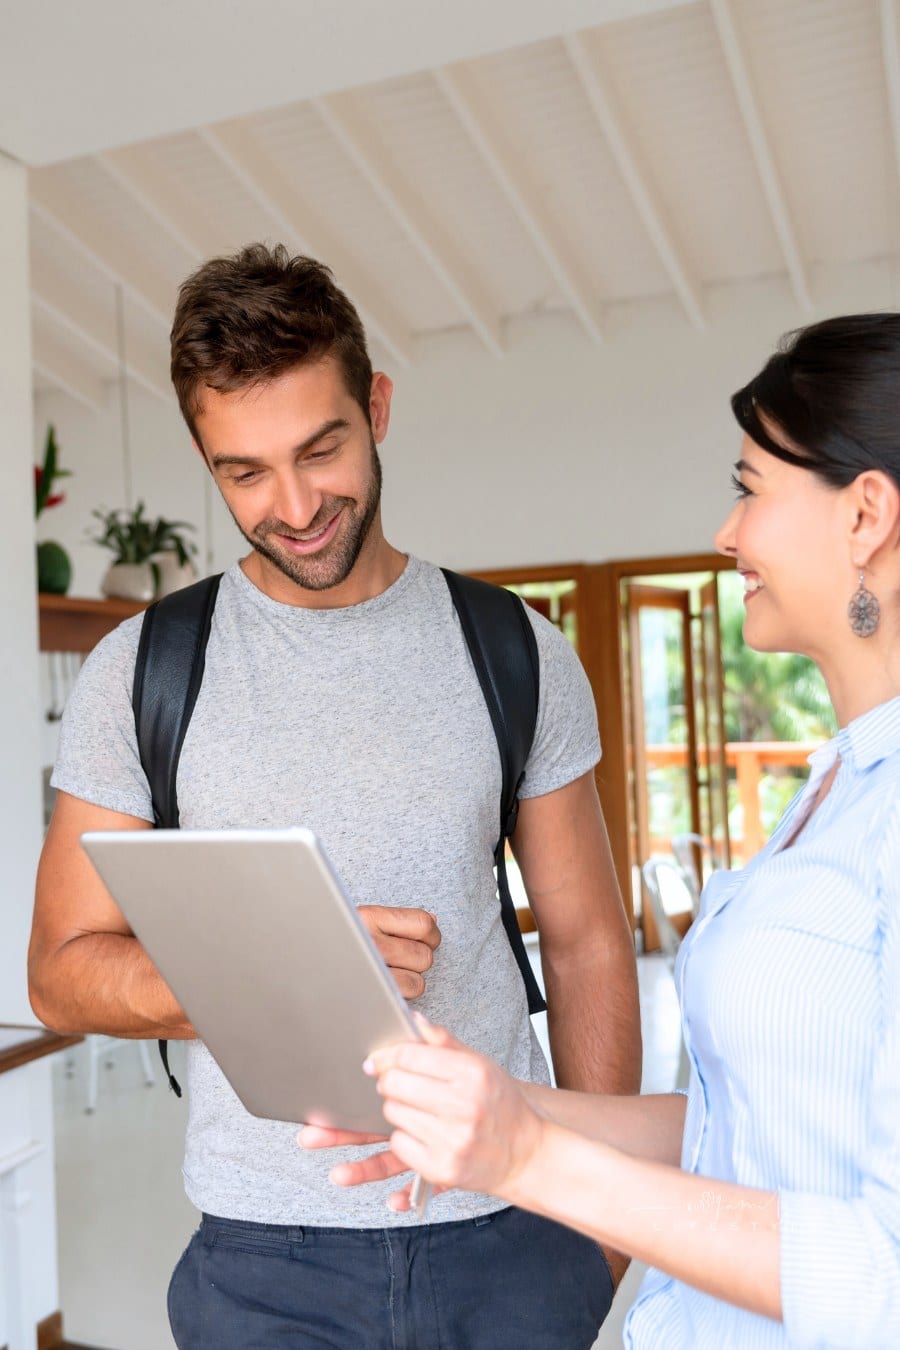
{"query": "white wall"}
pixel 28 1280
pixel 559 451
pixel 20 819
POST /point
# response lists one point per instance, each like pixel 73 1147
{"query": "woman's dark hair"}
pixel 829 399
pixel 247 319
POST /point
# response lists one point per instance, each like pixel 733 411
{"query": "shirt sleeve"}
pixel 98 758
pixel 840 1258
pixel 566 740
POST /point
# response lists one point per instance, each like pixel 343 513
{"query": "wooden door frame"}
pixel 676 600
pixel 714 698
pixel 607 676
pixel 599 618
pixel 599 636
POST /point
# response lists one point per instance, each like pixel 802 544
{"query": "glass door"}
pixel 677 768
pixel 713 770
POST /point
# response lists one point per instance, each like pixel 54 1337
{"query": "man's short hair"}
pixel 244 320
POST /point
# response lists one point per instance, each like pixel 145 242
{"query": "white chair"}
pixel 684 847
pixel 670 893
pixel 103 1047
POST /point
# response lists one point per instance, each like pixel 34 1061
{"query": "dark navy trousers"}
pixel 506 1281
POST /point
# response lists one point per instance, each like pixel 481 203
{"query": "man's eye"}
pixel 247 477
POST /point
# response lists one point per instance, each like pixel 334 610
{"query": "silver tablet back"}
pixel 269 959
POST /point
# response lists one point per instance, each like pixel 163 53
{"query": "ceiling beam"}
pixel 475 109
pixel 109 253
pixel 891 57
pixel 139 174
pixel 65 370
pixel 635 179
pixel 76 313
pixel 238 148
pixel 346 119
pixel 762 153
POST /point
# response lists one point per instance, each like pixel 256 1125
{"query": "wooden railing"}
pixel 749 759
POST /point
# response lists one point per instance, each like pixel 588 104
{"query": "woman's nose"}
pixel 724 540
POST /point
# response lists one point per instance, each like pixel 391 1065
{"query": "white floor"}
pixel 123 1217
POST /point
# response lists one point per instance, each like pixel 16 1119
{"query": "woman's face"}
pixel 788 535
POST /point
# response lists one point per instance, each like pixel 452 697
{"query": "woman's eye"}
pixel 739 487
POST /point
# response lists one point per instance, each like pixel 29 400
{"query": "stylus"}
pixel 419 1195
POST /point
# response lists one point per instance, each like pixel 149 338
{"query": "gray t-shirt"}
pixel 368 725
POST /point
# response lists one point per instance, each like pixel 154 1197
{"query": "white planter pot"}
pixel 172 574
pixel 129 581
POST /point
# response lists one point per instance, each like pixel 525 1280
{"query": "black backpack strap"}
pixel 167 675
pixel 504 653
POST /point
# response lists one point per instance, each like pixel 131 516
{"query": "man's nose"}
pixel 297 502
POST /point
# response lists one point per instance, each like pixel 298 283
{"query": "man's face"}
pixel 296 463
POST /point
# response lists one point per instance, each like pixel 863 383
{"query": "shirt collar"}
pixel 868 739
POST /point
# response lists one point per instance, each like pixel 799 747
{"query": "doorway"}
pixel 676 762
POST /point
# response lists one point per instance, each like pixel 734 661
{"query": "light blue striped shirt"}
pixel 789 984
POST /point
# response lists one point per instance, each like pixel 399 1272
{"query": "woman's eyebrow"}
pixel 743 466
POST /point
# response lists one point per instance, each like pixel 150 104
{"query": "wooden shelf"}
pixel 26 1044
pixel 70 624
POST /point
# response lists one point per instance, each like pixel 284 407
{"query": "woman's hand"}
pixel 459 1119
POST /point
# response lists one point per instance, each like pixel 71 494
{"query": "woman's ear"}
pixel 874 499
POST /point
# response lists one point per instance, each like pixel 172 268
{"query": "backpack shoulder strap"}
pixel 167 676
pixel 504 652
pixel 168 672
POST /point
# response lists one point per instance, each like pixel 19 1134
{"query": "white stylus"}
pixel 419 1195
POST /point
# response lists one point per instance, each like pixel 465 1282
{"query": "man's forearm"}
pixel 594 1018
pixel 106 982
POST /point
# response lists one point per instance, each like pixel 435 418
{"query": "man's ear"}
pixel 875 505
pixel 380 404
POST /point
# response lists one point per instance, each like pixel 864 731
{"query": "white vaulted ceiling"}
pixel 618 153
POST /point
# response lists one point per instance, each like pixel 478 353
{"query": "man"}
pixel 338 693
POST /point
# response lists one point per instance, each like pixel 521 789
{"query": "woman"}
pixel 768 1201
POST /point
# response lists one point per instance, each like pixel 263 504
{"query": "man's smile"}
pixel 311 543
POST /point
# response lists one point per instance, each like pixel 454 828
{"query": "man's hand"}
pixel 407 940
pixel 459 1120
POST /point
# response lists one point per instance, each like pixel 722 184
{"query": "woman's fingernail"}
pixel 422 1019
pixel 369 1066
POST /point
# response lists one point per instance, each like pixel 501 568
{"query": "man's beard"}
pixel 332 564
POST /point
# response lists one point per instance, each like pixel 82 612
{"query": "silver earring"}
pixel 864 611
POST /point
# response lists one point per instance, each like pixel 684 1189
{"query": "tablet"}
pixel 254 935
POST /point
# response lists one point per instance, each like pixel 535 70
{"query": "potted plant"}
pixel 151 557
pixel 172 556
pixel 54 570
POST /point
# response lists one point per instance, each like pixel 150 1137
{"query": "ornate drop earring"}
pixel 864 611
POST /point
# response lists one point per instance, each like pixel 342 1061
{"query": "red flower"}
pixel 54 499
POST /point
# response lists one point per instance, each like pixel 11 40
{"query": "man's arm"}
pixel 86 969
pixel 587 950
pixel 88 972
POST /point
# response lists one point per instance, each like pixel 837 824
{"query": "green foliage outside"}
pixel 767 697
